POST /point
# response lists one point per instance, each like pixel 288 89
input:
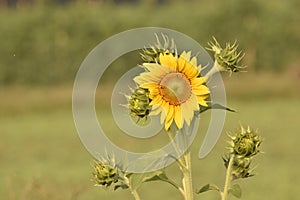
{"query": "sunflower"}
pixel 175 86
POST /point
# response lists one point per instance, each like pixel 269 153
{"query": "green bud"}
pixel 243 146
pixel 104 175
pixel 245 143
pixel 228 58
pixel 139 104
pixel 151 54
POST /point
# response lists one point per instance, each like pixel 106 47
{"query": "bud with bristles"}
pixel 139 104
pixel 245 143
pixel 104 175
pixel 243 146
pixel 228 58
pixel 151 54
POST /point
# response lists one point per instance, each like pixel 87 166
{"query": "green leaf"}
pixel 137 179
pixel 215 106
pixel 208 187
pixel 236 190
pixel 155 176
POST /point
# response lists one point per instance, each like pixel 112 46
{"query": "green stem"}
pixel 228 178
pixel 133 191
pixel 135 194
pixel 187 177
pixel 184 163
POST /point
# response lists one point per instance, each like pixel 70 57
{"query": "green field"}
pixel 42 156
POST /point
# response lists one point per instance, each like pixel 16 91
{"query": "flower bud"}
pixel 245 143
pixel 226 59
pixel 139 104
pixel 104 175
pixel 151 54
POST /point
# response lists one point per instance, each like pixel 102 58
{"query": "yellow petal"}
pixel 170 117
pixel 156 100
pixel 194 103
pixel 178 117
pixel 168 60
pixel 190 71
pixel 197 81
pixel 151 66
pixel 164 111
pixel 201 100
pixel 181 64
pixel 200 90
pixel 187 112
pixel 163 116
pixel 156 109
pixel 186 55
pixel 194 61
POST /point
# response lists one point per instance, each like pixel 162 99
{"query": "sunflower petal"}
pixel 190 71
pixel 197 81
pixel 178 117
pixel 170 116
pixel 156 109
pixel 200 90
pixel 168 60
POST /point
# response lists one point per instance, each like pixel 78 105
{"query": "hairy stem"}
pixel 187 177
pixel 184 163
pixel 228 178
pixel 135 194
pixel 133 191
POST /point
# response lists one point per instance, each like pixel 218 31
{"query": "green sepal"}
pixel 122 186
pixel 208 187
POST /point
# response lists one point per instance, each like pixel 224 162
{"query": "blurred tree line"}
pixel 44 42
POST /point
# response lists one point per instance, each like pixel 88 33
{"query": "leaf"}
pixel 155 176
pixel 215 106
pixel 208 187
pixel 236 190
pixel 137 179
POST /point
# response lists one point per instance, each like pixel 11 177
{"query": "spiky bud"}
pixel 151 54
pixel 245 143
pixel 139 104
pixel 228 58
pixel 104 175
pixel 243 146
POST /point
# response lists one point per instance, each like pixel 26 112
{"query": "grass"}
pixel 42 157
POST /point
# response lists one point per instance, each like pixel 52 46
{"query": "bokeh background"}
pixel 43 42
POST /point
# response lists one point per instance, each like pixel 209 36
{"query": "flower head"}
pixel 175 87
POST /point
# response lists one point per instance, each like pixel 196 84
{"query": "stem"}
pixel 216 68
pixel 187 177
pixel 171 136
pixel 133 191
pixel 184 163
pixel 228 178
pixel 135 194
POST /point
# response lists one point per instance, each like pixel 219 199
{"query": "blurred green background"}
pixel 43 43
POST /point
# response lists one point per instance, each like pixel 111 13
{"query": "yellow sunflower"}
pixel 175 88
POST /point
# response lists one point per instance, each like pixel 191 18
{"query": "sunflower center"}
pixel 175 88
